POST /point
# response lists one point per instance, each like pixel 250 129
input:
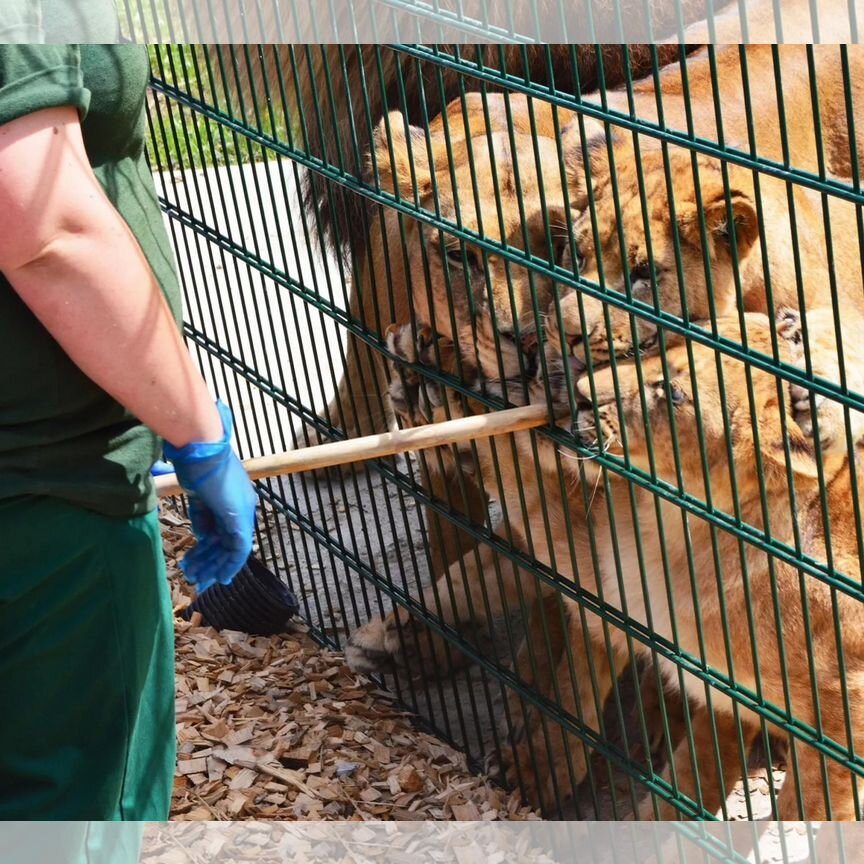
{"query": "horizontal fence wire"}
pixel 503 631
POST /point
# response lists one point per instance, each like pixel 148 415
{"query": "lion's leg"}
pixel 367 414
pixel 454 554
pixel 361 404
pixel 825 788
pixel 814 795
pixel 460 492
pixel 662 708
pixel 564 664
pixel 714 742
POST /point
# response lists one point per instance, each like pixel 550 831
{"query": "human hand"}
pixel 221 507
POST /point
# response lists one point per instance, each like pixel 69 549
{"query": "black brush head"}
pixel 256 602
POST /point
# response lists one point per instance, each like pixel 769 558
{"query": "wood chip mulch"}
pixel 325 843
pixel 279 728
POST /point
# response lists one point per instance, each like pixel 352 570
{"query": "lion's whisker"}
pixel 593 494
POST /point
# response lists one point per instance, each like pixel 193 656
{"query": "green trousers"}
pixel 86 665
pixel 71 842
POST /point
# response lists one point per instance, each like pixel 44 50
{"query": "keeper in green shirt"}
pixel 92 369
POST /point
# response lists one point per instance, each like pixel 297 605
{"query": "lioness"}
pixel 490 183
pixel 807 245
pixel 728 436
pixel 544 507
pixel 808 267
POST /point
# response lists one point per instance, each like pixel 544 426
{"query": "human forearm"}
pixel 72 258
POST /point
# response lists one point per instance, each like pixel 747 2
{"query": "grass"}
pixel 181 138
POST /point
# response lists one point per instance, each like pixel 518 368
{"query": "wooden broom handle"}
pixel 386 444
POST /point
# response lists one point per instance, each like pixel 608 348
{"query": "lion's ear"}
pixel 401 157
pixel 717 223
pixel 595 146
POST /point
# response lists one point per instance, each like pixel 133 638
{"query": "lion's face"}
pixel 505 187
pixel 615 251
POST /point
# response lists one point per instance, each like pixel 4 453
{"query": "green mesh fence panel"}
pixel 664 245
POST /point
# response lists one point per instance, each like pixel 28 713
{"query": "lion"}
pixel 450 167
pixel 480 299
pixel 775 631
pixel 349 90
pixel 705 264
pixel 419 165
pixel 716 226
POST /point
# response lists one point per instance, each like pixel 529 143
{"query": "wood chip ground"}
pixel 326 843
pixel 278 728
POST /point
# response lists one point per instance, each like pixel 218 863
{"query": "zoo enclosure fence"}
pixel 269 315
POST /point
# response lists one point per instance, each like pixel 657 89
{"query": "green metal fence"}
pixel 599 229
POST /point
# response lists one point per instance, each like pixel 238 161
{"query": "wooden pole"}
pixel 386 444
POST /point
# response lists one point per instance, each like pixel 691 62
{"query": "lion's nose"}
pixel 531 363
pixel 527 342
pixel 530 342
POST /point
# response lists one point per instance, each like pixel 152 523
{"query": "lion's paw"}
pixel 399 641
pixel 607 434
pixel 812 411
pixel 541 760
pixel 414 399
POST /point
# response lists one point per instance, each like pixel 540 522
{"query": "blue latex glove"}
pixel 221 507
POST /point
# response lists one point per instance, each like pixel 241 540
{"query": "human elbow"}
pixel 61 243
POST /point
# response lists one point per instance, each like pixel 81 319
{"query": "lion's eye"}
pixel 640 273
pixel 580 261
pixel 458 258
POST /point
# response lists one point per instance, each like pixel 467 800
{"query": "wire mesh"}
pixel 625 611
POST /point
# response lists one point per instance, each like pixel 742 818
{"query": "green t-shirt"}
pixel 60 434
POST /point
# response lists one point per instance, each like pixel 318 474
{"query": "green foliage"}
pixel 182 137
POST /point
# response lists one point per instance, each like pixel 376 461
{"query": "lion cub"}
pixel 710 428
pixel 712 216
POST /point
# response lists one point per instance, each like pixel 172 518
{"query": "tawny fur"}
pixel 567 510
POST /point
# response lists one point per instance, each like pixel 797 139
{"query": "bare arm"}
pixel 73 260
